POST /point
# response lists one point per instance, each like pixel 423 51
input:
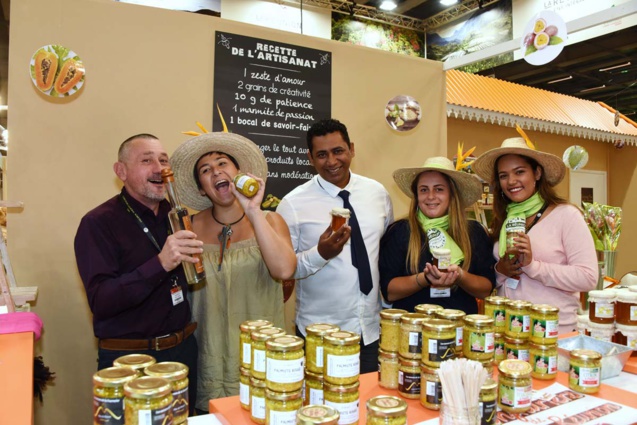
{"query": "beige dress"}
pixel 242 290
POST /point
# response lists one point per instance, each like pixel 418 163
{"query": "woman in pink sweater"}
pixel 549 256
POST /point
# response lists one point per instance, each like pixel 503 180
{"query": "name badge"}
pixel 512 283
pixel 177 295
pixel 439 292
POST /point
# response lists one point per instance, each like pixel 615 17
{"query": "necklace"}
pixel 224 236
pixel 537 217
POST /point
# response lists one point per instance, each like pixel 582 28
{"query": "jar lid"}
pixel 632 288
pixel 147 387
pixel 627 296
pixel 537 346
pixel 436 252
pixel 349 388
pixel 512 340
pixel 544 308
pixel 478 320
pixel 321 329
pixel 498 335
pixel 606 294
pixel 284 396
pixel 450 314
pixel 172 371
pixel 428 369
pixel 244 371
pixel 626 328
pixel 343 212
pixel 439 325
pixel 583 354
pixel 427 309
pixel 386 406
pixel 136 361
pixel 408 362
pixel 256 382
pixel 392 313
pixel 515 368
pixel 583 318
pixel 114 376
pixel 489 385
pixel 601 326
pixel 487 364
pixel 413 318
pixel 496 300
pixel 316 414
pixel 387 354
pixel 519 304
pixel 252 325
pixel 342 338
pixel 311 376
pixel 263 334
pixel 284 343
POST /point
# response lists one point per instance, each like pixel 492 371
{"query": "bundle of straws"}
pixel 461 380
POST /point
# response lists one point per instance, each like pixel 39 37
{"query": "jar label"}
pixel 488 410
pixel 319 356
pixel 604 309
pixel 180 402
pixel 515 397
pixel 584 376
pixel 258 364
pixel 285 371
pixel 343 366
pixel 441 349
pixel 482 342
pixel 518 354
pixel 633 313
pixel 545 328
pixel 499 317
pixel 415 342
pixel 519 323
pixel 282 418
pixel 408 383
pixel 257 408
pixel 316 396
pixel 247 347
pixel 544 364
pixel 154 417
pixel 433 392
pixel 602 335
pixel 244 394
pixel 348 411
pixel 459 337
pixel 631 341
pixel 108 411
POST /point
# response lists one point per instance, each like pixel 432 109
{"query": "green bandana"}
pixel 436 231
pixel 517 213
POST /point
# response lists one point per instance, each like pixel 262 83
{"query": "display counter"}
pixel 16 378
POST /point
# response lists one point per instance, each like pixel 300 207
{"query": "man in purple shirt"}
pixel 131 265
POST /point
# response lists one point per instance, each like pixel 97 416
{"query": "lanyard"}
pixel 140 222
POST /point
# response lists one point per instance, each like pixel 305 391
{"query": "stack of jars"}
pixel 314 369
pixel 438 345
pixel 612 316
pixel 495 307
pixel 388 363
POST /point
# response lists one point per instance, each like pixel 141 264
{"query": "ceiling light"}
pixel 387 5
pixel 615 67
pixel 570 77
pixel 448 2
pixel 593 88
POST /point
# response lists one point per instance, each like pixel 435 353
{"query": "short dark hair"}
pixel 121 153
pixel 324 127
pixel 195 174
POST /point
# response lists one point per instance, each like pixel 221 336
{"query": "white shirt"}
pixel 328 291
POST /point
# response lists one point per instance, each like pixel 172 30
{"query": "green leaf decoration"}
pixel 530 49
pixel 555 40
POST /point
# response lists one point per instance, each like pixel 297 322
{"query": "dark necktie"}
pixel 360 260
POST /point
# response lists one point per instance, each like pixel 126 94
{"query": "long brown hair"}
pixel 500 200
pixel 458 227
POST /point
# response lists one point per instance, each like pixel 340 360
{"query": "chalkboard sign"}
pixel 272 93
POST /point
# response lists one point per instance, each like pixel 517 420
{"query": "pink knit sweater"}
pixel 564 263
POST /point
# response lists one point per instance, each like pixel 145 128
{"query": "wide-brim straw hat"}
pixel 244 151
pixel 554 168
pixel 469 187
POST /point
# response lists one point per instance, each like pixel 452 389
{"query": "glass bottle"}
pixel 180 220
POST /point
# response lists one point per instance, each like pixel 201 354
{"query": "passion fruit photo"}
pixel 543 38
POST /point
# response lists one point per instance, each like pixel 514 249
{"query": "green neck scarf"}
pixel 517 213
pixel 436 231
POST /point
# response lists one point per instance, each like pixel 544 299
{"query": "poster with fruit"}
pixel 544 38
pixel 403 113
pixel 57 71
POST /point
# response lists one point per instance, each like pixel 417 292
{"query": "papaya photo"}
pixel 57 71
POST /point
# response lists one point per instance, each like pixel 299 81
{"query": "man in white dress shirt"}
pixel 328 288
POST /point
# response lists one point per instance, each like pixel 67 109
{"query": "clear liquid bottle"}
pixel 180 220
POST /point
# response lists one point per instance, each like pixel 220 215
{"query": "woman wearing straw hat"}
pixel 241 274
pixel 436 220
pixel 550 255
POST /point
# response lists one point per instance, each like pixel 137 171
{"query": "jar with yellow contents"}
pixel 244 388
pixel 148 397
pixel 456 317
pixel 514 386
pixel 345 399
pixel 314 345
pixel 545 324
pixel 390 329
pixel 479 337
pixel 177 374
pixel 585 371
pixel 245 342
pixel 257 400
pixel 259 337
pixel 388 369
pixel 313 388
pixel 284 363
pixel 543 360
pixel 428 309
pixel 281 408
pixel 386 410
pixel 438 341
pixel 430 387
pixel 138 362
pixel 316 414
pixel 341 357
pixel 409 378
pixel 495 307
pixel 411 335
pixel 518 319
pixel 516 348
pixel 108 394
pixel 488 402
pixel 499 353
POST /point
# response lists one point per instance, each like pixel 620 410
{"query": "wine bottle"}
pixel 180 220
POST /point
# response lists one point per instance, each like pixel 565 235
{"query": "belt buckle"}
pixel 159 338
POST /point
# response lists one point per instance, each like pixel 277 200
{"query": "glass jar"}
pixel 582 324
pixel 108 394
pixel 488 366
pixel 316 414
pixel 388 369
pixel 341 357
pixel 514 386
pixel 438 341
pixel 479 337
pixel 626 308
pixel 451 415
pixel 314 345
pixel 427 309
pixel 627 335
pixel 259 337
pixel 495 306
pixel 257 400
pixel 411 335
pixel 281 407
pixel 245 184
pixel 602 331
pixel 601 306
pixel 518 319
pixel 244 388
pixel 390 329
pixel 409 378
pixel 284 364
pixel 177 374
pixel 516 348
pixel 386 410
pixel 488 402
pixel 344 399
pixel 245 342
pixel 585 371
pixel 430 387
pixel 313 388
pixel 544 324
pixel 499 353
pixel 148 397
pixel 456 317
pixel 543 361
pixel 138 362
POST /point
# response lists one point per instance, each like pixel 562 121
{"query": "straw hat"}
pixel 469 187
pixel 245 152
pixel 554 168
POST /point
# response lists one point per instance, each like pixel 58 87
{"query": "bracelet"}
pixel 418 283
